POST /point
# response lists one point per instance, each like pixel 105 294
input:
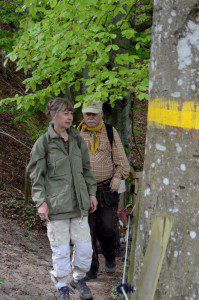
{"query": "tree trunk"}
pixel 121 118
pixel 171 169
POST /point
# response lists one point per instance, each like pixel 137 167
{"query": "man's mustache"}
pixel 91 121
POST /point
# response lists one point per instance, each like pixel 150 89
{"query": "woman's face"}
pixel 63 119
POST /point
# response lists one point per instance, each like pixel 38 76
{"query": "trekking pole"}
pixel 124 287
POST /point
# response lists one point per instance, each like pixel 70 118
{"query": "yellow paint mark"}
pixel 173 113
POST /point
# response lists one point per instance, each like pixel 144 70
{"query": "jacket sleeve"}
pixel 37 171
pixel 88 174
pixel 122 167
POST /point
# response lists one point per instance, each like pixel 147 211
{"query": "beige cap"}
pixel 95 107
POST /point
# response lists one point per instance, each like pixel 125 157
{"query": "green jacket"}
pixel 64 181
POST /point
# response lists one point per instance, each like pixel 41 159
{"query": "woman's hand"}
pixel 43 211
pixel 93 204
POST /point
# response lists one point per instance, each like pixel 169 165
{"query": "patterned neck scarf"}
pixel 93 145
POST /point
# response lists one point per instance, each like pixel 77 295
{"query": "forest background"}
pixel 82 50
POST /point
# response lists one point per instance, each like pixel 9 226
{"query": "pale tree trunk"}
pixel 171 169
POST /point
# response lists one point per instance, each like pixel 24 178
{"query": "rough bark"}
pixel 171 169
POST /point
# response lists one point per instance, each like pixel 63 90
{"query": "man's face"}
pixel 92 120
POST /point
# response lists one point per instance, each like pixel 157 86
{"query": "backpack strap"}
pixel 109 130
pixel 78 138
pixel 45 143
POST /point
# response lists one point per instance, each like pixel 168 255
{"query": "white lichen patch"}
pixel 175 94
pixel 141 227
pixel 150 85
pixel 146 213
pixel 158 161
pixel 153 165
pixel 180 82
pixel 193 87
pixel 183 167
pixel 192 234
pixel 173 239
pixel 172 133
pixel 170 20
pixel 188 253
pixel 173 210
pixel 166 181
pixel 186 43
pixel 175 253
pixel 166 35
pixel 173 13
pixel 160 147
pixel 147 191
pixel 178 148
pixel 159 28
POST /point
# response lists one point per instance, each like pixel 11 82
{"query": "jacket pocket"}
pixel 61 202
pixel 59 167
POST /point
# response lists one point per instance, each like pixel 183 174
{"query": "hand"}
pixel 115 184
pixel 93 204
pixel 43 211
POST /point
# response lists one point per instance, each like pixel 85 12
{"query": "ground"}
pixel 25 264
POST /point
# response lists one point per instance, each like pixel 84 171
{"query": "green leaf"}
pixel 78 104
pixel 53 3
pixel 77 86
pixel 143 96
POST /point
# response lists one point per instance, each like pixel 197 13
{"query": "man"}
pixel 110 165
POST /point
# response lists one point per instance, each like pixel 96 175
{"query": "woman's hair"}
pixel 58 104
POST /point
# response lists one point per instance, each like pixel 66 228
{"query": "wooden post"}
pixel 133 244
pixel 155 252
pixel 136 178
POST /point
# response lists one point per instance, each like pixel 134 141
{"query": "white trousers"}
pixel 60 233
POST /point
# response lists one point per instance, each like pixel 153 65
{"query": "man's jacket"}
pixel 64 181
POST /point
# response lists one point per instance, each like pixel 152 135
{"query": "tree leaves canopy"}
pixel 97 48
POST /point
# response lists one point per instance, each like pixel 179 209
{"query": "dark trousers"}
pixel 103 224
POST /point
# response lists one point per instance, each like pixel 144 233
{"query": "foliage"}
pixel 9 22
pixel 23 211
pixel 31 124
pixel 95 48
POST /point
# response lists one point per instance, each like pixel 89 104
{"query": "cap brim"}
pixel 91 110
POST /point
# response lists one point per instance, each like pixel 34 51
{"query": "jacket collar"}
pixel 55 136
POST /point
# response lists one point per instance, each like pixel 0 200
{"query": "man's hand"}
pixel 93 204
pixel 115 184
pixel 43 211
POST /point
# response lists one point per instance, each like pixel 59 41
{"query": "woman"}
pixel 64 188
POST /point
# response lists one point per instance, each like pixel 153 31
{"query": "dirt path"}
pixel 25 261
